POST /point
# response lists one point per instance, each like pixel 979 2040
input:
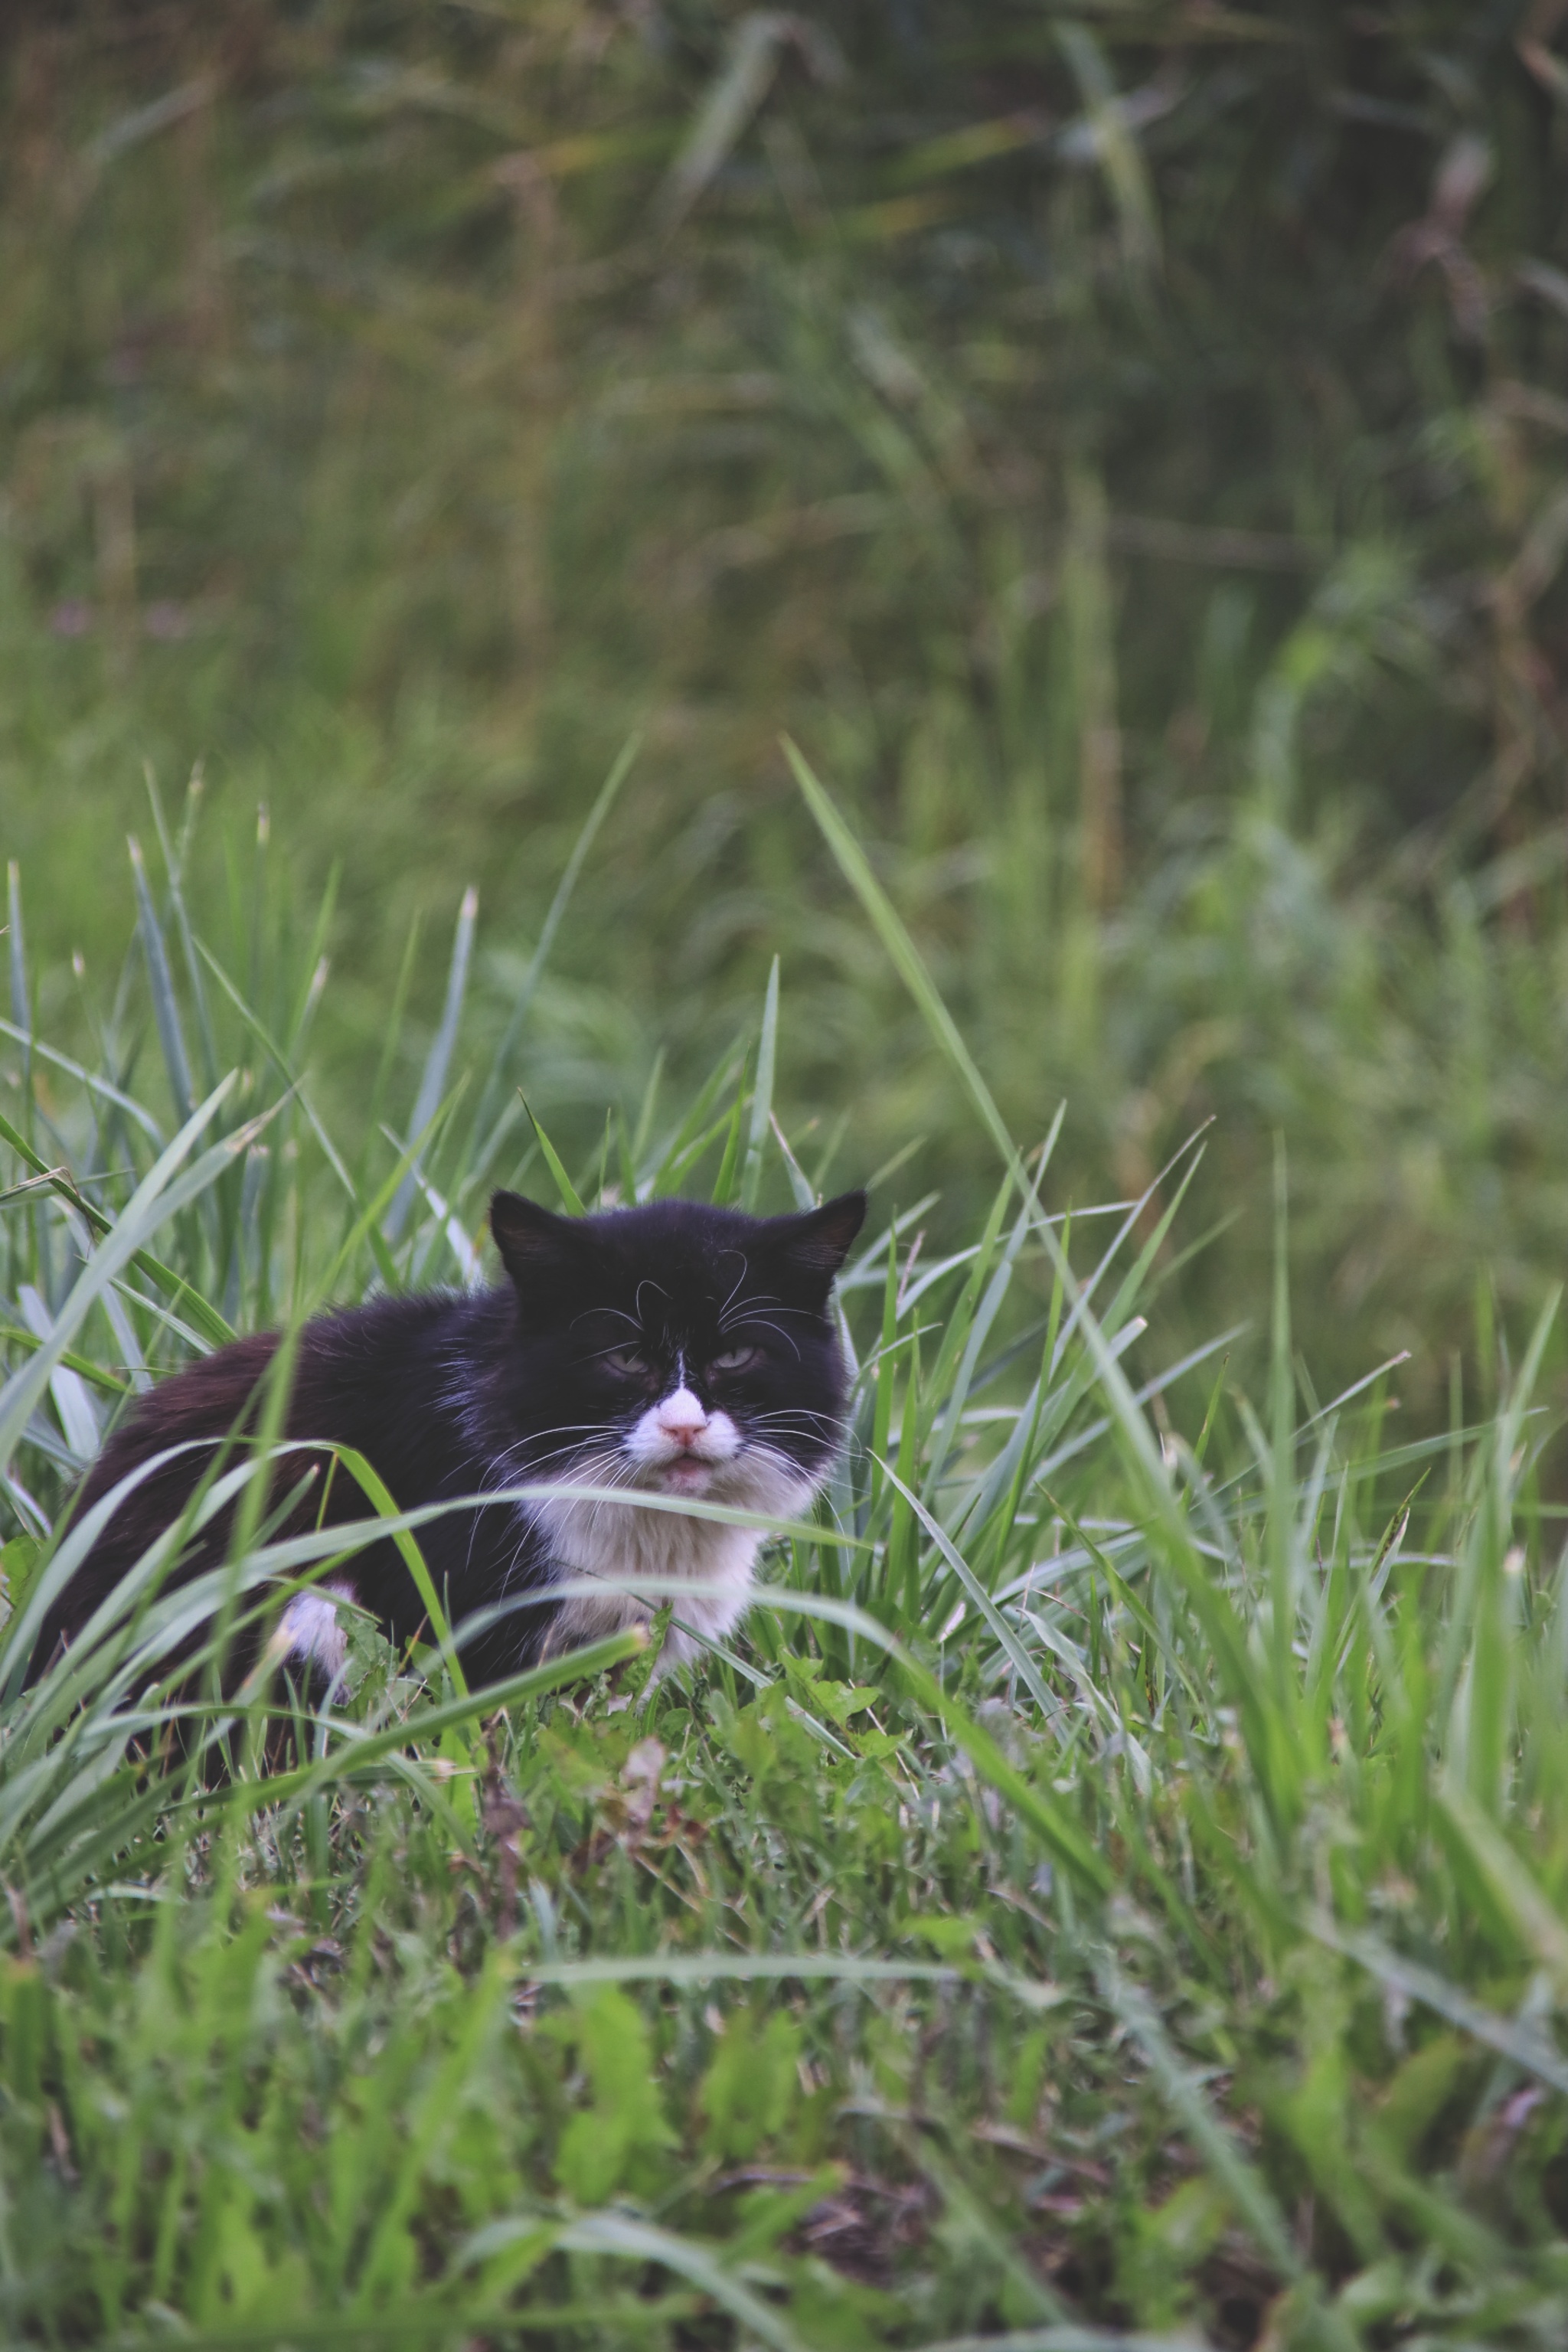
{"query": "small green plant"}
pixel 1113 1892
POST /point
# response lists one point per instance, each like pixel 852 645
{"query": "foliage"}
pixel 1124 446
pixel 1115 1895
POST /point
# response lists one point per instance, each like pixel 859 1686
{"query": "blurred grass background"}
pixel 1127 447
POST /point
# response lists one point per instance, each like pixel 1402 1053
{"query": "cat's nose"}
pixel 682 1418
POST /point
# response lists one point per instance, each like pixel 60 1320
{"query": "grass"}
pixel 1113 1892
pixel 1123 447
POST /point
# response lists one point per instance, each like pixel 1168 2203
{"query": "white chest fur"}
pixel 703 1566
pixel 659 1552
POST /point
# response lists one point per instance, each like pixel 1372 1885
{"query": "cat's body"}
pixel 672 1350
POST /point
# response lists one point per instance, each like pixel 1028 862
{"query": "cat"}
pixel 672 1349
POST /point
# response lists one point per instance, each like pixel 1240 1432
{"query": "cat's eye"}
pixel 629 1363
pixel 736 1360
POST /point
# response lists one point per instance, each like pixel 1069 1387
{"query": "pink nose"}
pixel 683 1421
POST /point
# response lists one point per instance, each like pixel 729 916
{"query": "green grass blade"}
pixel 1060 1836
pixel 212 1326
pixel 1523 2045
pixel 495 1081
pixel 644 2242
pixel 729 1159
pixel 903 954
pixel 762 1095
pixel 166 1004
pixel 160 1196
pixel 981 1599
pixel 570 1198
pixel 21 998
pixel 433 1078
pixel 92 1079
pixel 1239 2177
pixel 173 862
pixel 283 1063
pixel 373 1487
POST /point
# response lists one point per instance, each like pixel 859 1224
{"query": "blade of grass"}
pixel 21 1000
pixel 204 1316
pixel 433 1078
pixel 495 1080
pixel 1523 2045
pixel 166 1004
pixel 88 1078
pixel 173 859
pixel 762 1095
pixel 904 955
pixel 564 1184
pixel 374 1489
pixel 160 1196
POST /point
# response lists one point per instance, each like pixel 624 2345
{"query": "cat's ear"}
pixel 536 1246
pixel 816 1245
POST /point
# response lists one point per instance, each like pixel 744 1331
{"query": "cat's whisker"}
pixel 745 1268
pixel 557 1429
pixel 616 1314
pixel 647 1283
pixel 524 1445
pixel 745 1312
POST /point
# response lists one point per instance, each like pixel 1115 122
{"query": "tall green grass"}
pixel 1122 444
pixel 1112 1892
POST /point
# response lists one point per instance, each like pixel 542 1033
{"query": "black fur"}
pixel 450 1395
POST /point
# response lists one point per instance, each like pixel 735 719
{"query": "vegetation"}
pixel 1124 448
pixel 1116 1891
pixel 1118 1885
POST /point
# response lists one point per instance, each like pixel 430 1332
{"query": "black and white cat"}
pixel 671 1351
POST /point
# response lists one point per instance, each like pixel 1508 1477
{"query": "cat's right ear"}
pixel 536 1246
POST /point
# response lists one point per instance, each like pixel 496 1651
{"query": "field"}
pixel 1113 1889
pixel 983 599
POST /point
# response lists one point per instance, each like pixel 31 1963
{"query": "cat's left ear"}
pixel 537 1247
pixel 816 1245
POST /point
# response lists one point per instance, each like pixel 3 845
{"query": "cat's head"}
pixel 678 1349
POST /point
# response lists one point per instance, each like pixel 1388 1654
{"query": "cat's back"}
pixel 206 1399
pixel 393 1377
pixel 359 1375
pixel 370 1377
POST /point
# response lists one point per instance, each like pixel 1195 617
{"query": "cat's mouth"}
pixel 685 1475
